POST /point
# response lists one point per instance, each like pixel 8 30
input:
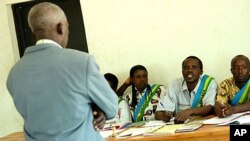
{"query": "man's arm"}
pixel 202 111
pixel 163 115
pixel 166 106
pixel 125 113
pixel 99 91
pixel 123 87
pixel 184 115
pixel 222 108
pixel 241 108
pixel 229 109
pixel 218 109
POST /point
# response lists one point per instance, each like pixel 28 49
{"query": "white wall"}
pixel 10 120
pixel 158 34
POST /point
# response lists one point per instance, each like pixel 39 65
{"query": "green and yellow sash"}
pixel 242 96
pixel 144 102
pixel 202 90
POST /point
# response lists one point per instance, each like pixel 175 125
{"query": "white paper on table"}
pixel 134 131
pixel 108 133
pixel 217 120
pixel 245 119
pixel 153 123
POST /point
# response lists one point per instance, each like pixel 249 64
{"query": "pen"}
pixel 186 121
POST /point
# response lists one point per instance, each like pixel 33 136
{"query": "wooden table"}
pixel 17 136
pixel 205 133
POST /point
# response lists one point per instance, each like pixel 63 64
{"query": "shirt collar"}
pixel 185 88
pixel 46 41
pixel 141 92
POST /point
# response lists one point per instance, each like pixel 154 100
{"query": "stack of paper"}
pixel 244 119
pixel 229 119
pixel 167 129
pixel 189 127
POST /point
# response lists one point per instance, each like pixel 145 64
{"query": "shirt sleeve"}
pixel 99 90
pixel 222 96
pixel 209 98
pixel 163 91
pixel 167 102
pixel 125 115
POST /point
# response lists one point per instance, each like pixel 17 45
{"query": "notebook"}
pixel 189 127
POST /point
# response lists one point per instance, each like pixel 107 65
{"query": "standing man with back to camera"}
pixel 54 88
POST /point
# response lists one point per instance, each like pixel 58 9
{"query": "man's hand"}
pixel 128 82
pixel 223 110
pixel 163 115
pixel 227 110
pixel 218 109
pixel 183 116
pixel 123 87
pixel 99 118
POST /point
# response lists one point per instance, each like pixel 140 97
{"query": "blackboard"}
pixel 72 8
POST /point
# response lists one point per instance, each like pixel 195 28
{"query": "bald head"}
pixel 239 57
pixel 48 21
pixel 240 68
